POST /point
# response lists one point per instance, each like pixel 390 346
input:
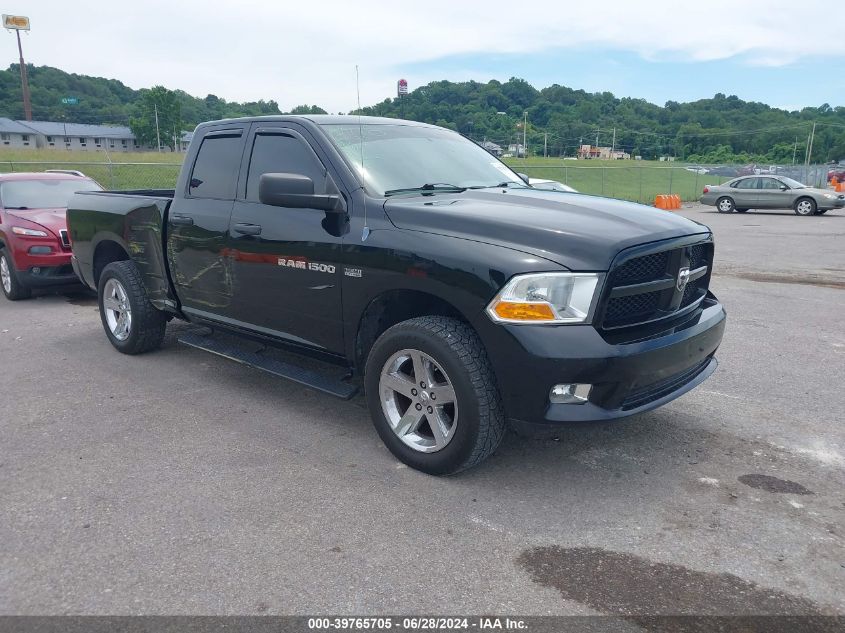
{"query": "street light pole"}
pixel 27 105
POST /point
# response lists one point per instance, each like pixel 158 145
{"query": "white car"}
pixel 550 185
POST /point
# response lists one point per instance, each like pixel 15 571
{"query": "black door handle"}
pixel 248 229
pixel 181 220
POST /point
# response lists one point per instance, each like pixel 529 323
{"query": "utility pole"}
pixel 27 105
pixel 158 134
pixel 525 133
pixel 810 146
pixel 545 144
pixel 613 144
pixel 794 151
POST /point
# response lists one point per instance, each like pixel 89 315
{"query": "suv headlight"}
pixel 19 230
pixel 546 298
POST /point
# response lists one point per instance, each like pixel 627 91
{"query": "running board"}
pixel 301 375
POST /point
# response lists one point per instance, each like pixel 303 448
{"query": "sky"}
pixel 786 54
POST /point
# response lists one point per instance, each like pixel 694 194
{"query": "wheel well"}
pixel 106 253
pixel 393 307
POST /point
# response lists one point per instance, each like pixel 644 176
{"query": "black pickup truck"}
pixel 460 298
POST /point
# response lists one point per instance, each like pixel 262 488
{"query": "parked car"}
pixel 34 246
pixel 550 185
pixel 838 173
pixel 461 298
pixel 770 192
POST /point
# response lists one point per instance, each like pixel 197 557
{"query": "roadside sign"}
pixel 70 100
pixel 16 22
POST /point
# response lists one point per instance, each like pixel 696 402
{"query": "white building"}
pixel 13 134
pixel 80 136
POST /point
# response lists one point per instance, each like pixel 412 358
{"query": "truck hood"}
pixel 52 219
pixel 578 231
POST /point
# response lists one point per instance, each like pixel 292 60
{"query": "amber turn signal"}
pixel 524 311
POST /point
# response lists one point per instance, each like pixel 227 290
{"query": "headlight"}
pixel 830 196
pixel 546 298
pixel 19 230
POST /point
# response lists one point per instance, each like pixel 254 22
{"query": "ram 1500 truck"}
pixel 461 298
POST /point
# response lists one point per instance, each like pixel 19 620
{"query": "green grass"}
pixel 637 180
pixel 630 180
pixel 129 170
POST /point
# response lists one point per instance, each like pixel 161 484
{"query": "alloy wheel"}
pixel 117 309
pixel 418 400
pixel 5 275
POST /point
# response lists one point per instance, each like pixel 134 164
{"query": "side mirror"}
pixel 296 191
pixel 524 177
pixel 783 187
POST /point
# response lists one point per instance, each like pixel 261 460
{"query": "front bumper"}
pixel 627 377
pixel 38 271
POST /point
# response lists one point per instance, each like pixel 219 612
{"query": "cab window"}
pixel 278 152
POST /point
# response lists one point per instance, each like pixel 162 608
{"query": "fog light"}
pixel 40 250
pixel 573 393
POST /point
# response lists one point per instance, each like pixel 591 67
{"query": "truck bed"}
pixel 133 219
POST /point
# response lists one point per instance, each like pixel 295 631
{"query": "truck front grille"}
pixel 650 286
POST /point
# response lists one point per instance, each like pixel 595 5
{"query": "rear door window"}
pixel 746 183
pixel 215 172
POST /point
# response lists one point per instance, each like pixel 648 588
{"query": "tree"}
pixel 307 109
pixel 157 100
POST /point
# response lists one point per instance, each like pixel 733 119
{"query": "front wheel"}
pixel 805 206
pixel 132 323
pixel 13 289
pixel 725 205
pixel 432 395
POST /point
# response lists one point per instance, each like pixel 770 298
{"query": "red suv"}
pixel 34 243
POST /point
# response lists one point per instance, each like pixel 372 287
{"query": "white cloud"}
pixel 306 52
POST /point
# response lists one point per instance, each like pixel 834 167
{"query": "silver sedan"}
pixel 771 192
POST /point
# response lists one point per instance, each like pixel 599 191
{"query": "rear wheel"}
pixel 12 287
pixel 725 205
pixel 432 395
pixel 805 206
pixel 132 323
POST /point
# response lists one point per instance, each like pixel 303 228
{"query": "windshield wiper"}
pixel 428 187
pixel 501 185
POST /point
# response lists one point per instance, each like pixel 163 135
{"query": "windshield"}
pixel 407 157
pixel 792 184
pixel 42 194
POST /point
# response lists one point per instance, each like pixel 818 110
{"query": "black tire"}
pixel 805 206
pixel 742 210
pixel 725 205
pixel 148 324
pixel 455 346
pixel 16 290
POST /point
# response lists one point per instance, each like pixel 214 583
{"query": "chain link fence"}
pixel 109 175
pixel 641 182
pixel 629 180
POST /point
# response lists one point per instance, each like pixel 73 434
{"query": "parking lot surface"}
pixel 181 483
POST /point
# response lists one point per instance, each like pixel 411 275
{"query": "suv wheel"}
pixel 132 323
pixel 725 205
pixel 432 395
pixel 805 206
pixel 12 287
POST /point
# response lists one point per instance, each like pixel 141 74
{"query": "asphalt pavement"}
pixel 181 483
